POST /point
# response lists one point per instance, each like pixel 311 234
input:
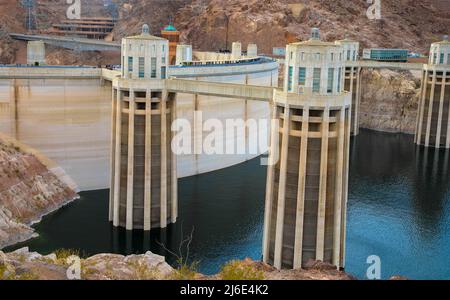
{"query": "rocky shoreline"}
pixel 62 265
pixel 31 187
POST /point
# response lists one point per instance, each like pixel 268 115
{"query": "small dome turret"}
pixel 315 33
pixel 145 29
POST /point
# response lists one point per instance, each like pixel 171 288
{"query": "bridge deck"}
pixel 385 65
pixel 228 90
pixel 70 42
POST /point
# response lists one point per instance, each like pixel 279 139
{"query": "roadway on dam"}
pixel 73 43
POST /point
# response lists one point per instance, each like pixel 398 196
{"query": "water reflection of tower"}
pixel 432 184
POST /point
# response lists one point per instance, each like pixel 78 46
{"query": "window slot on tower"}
pixel 302 76
pixel 315 113
pixel 339 80
pixel 153 67
pixel 316 80
pixel 290 74
pixel 139 94
pixel 130 64
pixel 140 105
pixel 330 80
pixel 141 67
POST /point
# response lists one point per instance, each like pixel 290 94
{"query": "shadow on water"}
pixel 398 209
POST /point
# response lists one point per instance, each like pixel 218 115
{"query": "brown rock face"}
pixel 389 101
pixel 28 191
pixel 404 24
pixel 206 24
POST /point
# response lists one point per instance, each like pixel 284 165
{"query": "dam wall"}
pixel 68 120
pixel 66 114
pixel 220 108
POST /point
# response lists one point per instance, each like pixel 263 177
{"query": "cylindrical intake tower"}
pixel 143 167
pixel 433 120
pixel 306 192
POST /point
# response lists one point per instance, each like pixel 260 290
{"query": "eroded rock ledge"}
pixel 389 100
pixel 30 187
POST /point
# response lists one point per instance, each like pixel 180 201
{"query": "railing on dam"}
pixel 218 63
pixel 384 65
pixel 49 72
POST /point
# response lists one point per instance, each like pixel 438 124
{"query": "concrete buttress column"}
pixel 300 212
pixel 282 188
pixel 163 178
pixel 320 242
pixel 269 185
pixel 112 154
pixel 174 186
pixel 148 162
pixel 117 157
pixel 430 110
pixel 339 188
pixel 130 173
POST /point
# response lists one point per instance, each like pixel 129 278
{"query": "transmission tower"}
pixel 30 21
pixel 112 8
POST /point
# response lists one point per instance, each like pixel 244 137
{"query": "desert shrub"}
pixel 236 270
pixel 185 271
pixel 63 254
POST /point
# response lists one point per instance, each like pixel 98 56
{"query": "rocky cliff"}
pixel 23 264
pixel 389 100
pixel 29 189
pixel 405 23
pixel 206 23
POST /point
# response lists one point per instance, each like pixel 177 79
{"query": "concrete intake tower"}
pixel 143 167
pixel 433 120
pixel 306 194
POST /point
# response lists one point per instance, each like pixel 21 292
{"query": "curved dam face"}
pixel 225 110
pixel 66 114
pixel 68 120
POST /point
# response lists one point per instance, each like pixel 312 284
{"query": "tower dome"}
pixel 145 29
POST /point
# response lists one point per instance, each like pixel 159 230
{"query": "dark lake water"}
pixel 399 210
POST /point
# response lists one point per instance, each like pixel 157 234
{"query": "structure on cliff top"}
pixel 36 53
pixel 306 192
pixel 433 119
pixel 173 36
